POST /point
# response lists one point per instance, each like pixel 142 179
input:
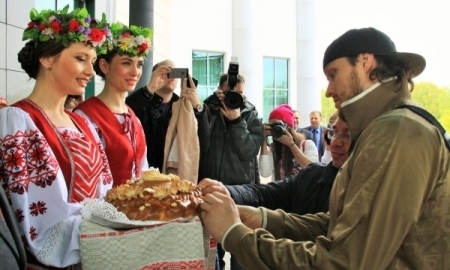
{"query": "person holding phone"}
pixel 152 104
pixel 116 124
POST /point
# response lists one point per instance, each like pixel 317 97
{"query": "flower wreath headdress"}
pixel 135 40
pixel 68 27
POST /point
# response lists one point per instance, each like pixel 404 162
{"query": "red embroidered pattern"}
pixel 38 208
pixel 26 159
pixel 19 215
pixel 33 234
pixel 107 176
pixel 199 264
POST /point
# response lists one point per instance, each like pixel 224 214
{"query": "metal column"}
pixel 141 14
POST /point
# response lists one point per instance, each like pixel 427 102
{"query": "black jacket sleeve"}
pixel 247 136
pixel 274 195
pixel 137 101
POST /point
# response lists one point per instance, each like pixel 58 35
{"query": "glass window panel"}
pixel 281 97
pixel 60 4
pixel 276 78
pixel 53 4
pixel 281 75
pixel 45 4
pixel 268 103
pixel 215 69
pixel 268 67
pixel 207 68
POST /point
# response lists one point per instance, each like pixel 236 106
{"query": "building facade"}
pixel 273 42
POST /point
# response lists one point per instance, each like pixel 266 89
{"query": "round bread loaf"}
pixel 156 197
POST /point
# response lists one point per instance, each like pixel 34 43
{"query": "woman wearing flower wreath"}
pixel 288 154
pixel 119 129
pixel 50 158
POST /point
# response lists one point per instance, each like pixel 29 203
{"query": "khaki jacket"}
pixel 182 148
pixel 389 206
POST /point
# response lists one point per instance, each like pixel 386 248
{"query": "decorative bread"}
pixel 156 196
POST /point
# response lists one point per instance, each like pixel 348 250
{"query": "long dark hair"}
pixel 282 153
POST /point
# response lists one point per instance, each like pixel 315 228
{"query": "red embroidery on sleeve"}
pixel 27 159
pixel 38 208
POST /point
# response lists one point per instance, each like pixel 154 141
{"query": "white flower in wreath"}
pixel 139 39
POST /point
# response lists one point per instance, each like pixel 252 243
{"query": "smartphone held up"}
pixel 178 73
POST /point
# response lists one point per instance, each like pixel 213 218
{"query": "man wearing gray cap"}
pixel 390 203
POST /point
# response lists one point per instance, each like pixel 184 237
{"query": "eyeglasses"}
pixel 344 137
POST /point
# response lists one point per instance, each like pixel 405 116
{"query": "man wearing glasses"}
pixel 304 193
pixel 390 202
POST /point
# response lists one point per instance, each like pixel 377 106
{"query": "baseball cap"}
pixel 370 40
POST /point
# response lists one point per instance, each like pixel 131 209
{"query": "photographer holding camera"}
pixel 235 136
pixel 235 133
pixel 289 152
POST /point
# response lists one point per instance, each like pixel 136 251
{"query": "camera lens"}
pixel 277 131
pixel 233 99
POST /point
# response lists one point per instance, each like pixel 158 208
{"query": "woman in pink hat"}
pixel 289 152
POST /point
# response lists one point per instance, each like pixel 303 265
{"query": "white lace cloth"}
pixel 103 213
pixel 178 244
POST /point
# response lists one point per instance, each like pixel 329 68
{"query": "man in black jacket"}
pixel 306 192
pixel 234 139
pixel 152 104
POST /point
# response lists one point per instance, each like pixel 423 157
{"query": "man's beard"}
pixel 354 85
pixel 355 89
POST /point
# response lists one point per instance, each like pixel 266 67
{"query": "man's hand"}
pixel 218 214
pixel 267 130
pixel 219 93
pixel 158 78
pixel 190 93
pixel 286 139
pixel 209 186
pixel 230 114
pixel 250 216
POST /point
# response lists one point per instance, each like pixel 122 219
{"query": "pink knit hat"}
pixel 283 113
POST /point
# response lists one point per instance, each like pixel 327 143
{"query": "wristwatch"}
pixel 198 108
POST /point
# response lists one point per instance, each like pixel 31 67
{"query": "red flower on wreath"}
pixel 42 27
pixel 31 24
pixel 142 48
pixel 73 25
pixel 56 26
pixel 96 35
pixel 38 208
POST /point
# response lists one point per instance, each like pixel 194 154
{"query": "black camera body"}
pixel 232 99
pixel 278 129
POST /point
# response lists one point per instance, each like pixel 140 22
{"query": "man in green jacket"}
pixel 390 203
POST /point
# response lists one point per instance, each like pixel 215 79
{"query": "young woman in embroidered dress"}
pixel 119 129
pixel 51 159
pixel 288 154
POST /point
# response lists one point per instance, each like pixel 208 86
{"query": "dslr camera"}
pixel 278 129
pixel 232 99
